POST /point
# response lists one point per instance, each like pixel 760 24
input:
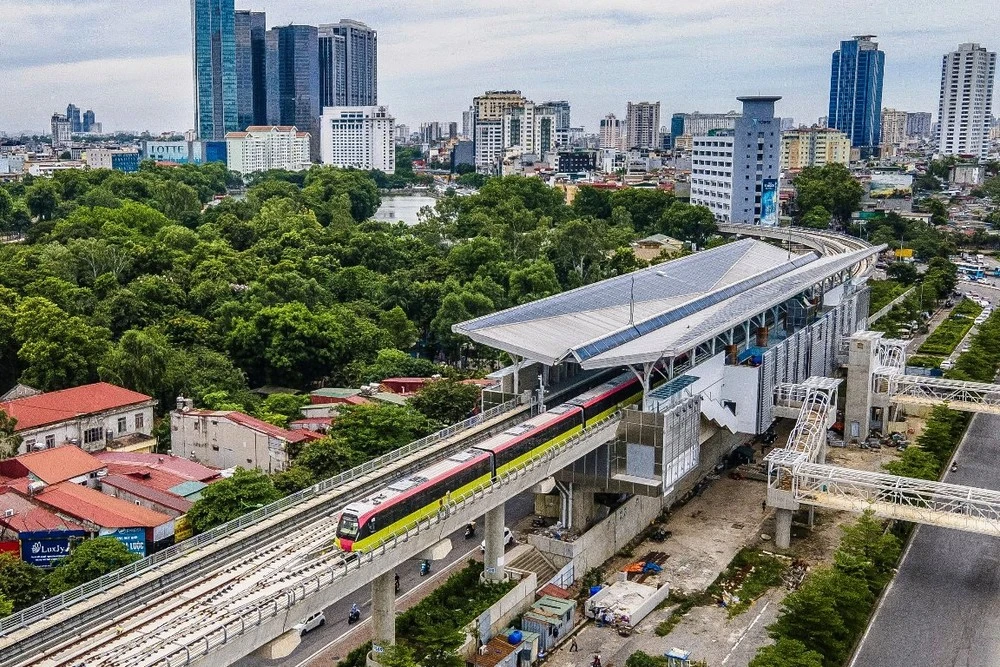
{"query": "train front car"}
pixel 348 529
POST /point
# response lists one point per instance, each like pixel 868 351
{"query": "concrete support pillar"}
pixel 858 405
pixel 783 528
pixel 812 516
pixel 384 609
pixel 493 558
pixel 583 508
pixel 763 333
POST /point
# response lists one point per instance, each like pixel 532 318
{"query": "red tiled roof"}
pixel 151 477
pixel 53 465
pixel 107 512
pixel 58 406
pixel 140 489
pixel 264 427
pixel 29 517
pixel 175 465
pixel 312 420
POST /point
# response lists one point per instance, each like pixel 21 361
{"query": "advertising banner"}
pixel 43 548
pixel 769 203
pixel 12 547
pixel 182 528
pixel 134 539
pixel 884 186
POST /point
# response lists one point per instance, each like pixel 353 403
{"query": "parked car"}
pixel 316 620
pixel 508 538
pixel 947 365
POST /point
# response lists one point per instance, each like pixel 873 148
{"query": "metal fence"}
pixel 47 607
pixel 281 601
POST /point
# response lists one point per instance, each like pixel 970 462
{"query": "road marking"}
pixel 423 583
pixel 745 633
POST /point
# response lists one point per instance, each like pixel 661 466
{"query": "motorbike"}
pixel 354 615
pixel 425 567
pixel 470 530
pixel 954 467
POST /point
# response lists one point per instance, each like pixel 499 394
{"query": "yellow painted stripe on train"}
pixel 431 509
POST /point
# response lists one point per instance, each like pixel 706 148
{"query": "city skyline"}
pixel 433 61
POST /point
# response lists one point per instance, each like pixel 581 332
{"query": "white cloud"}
pixel 129 60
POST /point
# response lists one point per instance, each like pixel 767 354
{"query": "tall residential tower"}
pixel 966 106
pixel 214 50
pixel 856 92
pixel 642 122
pixel 348 64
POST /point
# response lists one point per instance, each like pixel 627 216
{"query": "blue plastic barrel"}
pixel 594 590
pixel 515 637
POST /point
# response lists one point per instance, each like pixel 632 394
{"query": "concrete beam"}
pixel 583 509
pixel 494 556
pixel 783 528
pixel 281 647
pixel 437 551
pixel 384 609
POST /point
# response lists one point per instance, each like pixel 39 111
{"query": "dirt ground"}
pixel 706 533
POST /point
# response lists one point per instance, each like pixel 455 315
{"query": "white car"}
pixel 947 365
pixel 508 539
pixel 966 349
pixel 316 620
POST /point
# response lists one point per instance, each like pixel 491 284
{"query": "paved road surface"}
pixel 943 608
pixel 409 578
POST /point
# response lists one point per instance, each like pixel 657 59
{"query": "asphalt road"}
pixel 943 608
pixel 409 578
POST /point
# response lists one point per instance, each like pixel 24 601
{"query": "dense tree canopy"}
pixel 231 498
pixel 89 560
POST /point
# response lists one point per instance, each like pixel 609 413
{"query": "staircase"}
pixel 531 560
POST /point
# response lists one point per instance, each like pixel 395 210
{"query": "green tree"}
pixel 138 361
pixel 279 409
pixel 376 429
pixel 938 211
pixel 826 613
pixel 57 350
pixel 787 653
pixel 401 330
pixel 21 583
pixel 832 186
pixel 915 463
pixel 817 218
pixel 90 560
pixel 292 480
pixel 643 659
pixel 231 498
pixel 902 272
pixel 323 459
pixel 6 209
pixel 325 185
pixel 42 198
pixel 6 606
pixel 10 442
pixel 397 655
pixel 867 551
pixel 446 401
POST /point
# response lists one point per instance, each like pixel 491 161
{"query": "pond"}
pixel 402 208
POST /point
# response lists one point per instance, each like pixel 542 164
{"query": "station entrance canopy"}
pixel 662 311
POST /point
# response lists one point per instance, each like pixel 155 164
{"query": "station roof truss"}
pixel 662 311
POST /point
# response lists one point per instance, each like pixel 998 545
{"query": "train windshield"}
pixel 348 526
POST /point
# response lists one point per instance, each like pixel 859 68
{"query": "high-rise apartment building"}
pixel 966 105
pixel 856 92
pixel 611 133
pixel 250 29
pixel 89 121
pixel 642 123
pixel 293 79
pixel 918 124
pixel 62 131
pixel 735 174
pixel 561 111
pixel 214 51
pixel 73 114
pixel 893 127
pixel 349 65
pixel 263 147
pixel 359 137
pixel 530 128
pixel 814 147
pixel 488 126
pixel 469 122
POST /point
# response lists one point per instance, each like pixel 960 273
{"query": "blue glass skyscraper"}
pixel 856 92
pixel 214 50
pixel 293 65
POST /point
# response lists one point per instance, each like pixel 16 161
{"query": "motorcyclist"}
pixel 954 465
pixel 397 582
pixel 355 611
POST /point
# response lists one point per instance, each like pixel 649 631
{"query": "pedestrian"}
pixel 763 506
pixel 573 647
pixel 597 660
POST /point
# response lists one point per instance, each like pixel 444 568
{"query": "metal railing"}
pixel 268 608
pixel 44 609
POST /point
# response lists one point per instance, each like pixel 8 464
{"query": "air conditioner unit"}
pixel 7 513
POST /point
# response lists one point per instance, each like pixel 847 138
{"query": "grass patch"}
pixel 924 361
pixel 882 292
pixel 951 332
pixel 749 575
pixel 685 602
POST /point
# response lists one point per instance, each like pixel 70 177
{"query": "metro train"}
pixel 365 523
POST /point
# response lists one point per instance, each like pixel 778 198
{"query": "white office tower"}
pixel 964 112
pixel 611 133
pixel 735 173
pixel 265 147
pixel 359 137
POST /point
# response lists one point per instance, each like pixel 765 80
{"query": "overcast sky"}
pixel 130 60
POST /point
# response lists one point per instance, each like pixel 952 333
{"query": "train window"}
pixel 348 526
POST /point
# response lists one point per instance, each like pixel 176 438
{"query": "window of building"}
pixel 50 441
pixel 122 424
pixel 93 435
pixel 140 421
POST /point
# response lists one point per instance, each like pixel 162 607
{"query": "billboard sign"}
pixel 182 528
pixel 44 547
pixel 885 186
pixel 769 203
pixel 134 539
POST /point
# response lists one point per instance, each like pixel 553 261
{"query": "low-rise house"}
pixel 52 466
pixel 649 248
pixel 551 618
pixel 94 417
pixel 230 439
pixel 32 533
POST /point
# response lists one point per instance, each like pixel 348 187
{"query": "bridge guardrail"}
pixel 44 609
pixel 283 600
